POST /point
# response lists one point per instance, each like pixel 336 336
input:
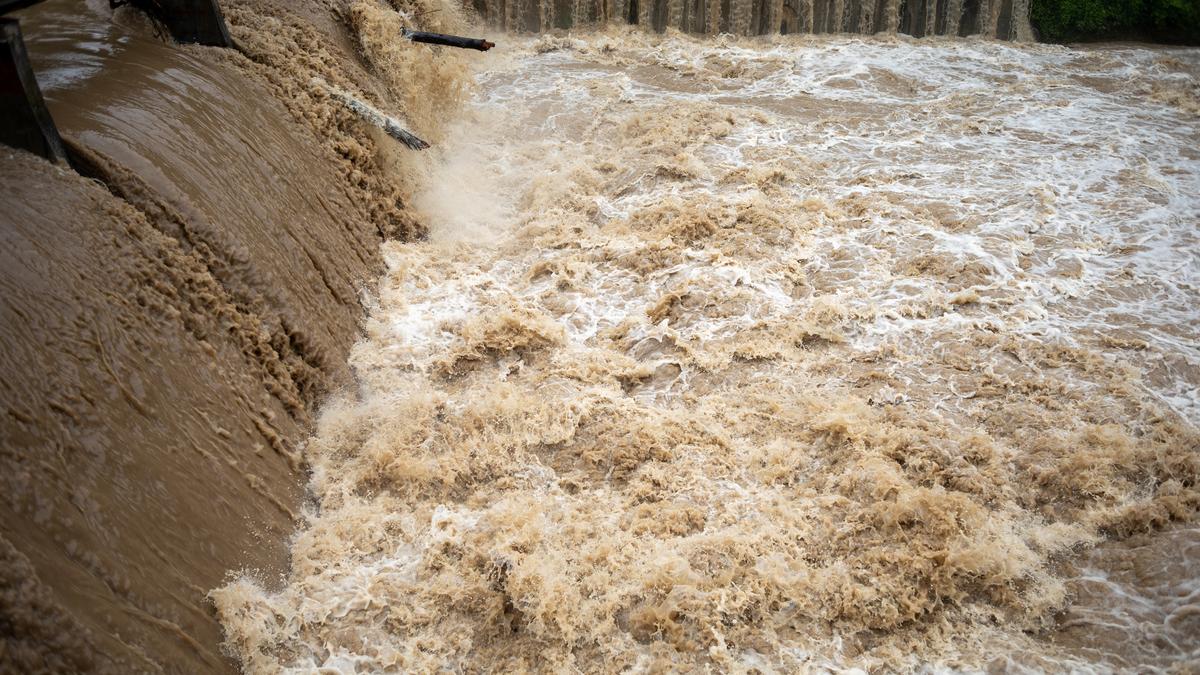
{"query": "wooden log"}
pixel 390 125
pixel 448 40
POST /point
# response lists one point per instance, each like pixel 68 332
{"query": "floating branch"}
pixel 369 114
pixel 448 40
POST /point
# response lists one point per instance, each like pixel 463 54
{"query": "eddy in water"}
pixel 772 356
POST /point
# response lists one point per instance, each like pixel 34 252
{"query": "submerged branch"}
pixel 390 125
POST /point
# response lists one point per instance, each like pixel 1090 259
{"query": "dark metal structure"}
pixel 7 6
pixel 24 120
pixel 194 21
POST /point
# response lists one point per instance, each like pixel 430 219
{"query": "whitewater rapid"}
pixel 787 354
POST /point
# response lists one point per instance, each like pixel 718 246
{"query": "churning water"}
pixel 777 355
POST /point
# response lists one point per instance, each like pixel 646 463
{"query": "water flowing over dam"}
pixel 171 313
pixel 724 336
pixel 1003 19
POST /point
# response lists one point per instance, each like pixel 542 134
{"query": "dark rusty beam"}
pixel 24 120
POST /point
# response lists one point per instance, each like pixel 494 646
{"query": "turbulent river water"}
pixel 800 353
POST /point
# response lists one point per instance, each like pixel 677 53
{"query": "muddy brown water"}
pixel 169 320
pixel 776 355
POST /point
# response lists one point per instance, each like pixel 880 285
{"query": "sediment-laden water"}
pixel 787 355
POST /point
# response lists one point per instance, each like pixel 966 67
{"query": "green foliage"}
pixel 1162 20
pixel 1177 18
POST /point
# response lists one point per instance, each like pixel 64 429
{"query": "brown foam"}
pixel 509 491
